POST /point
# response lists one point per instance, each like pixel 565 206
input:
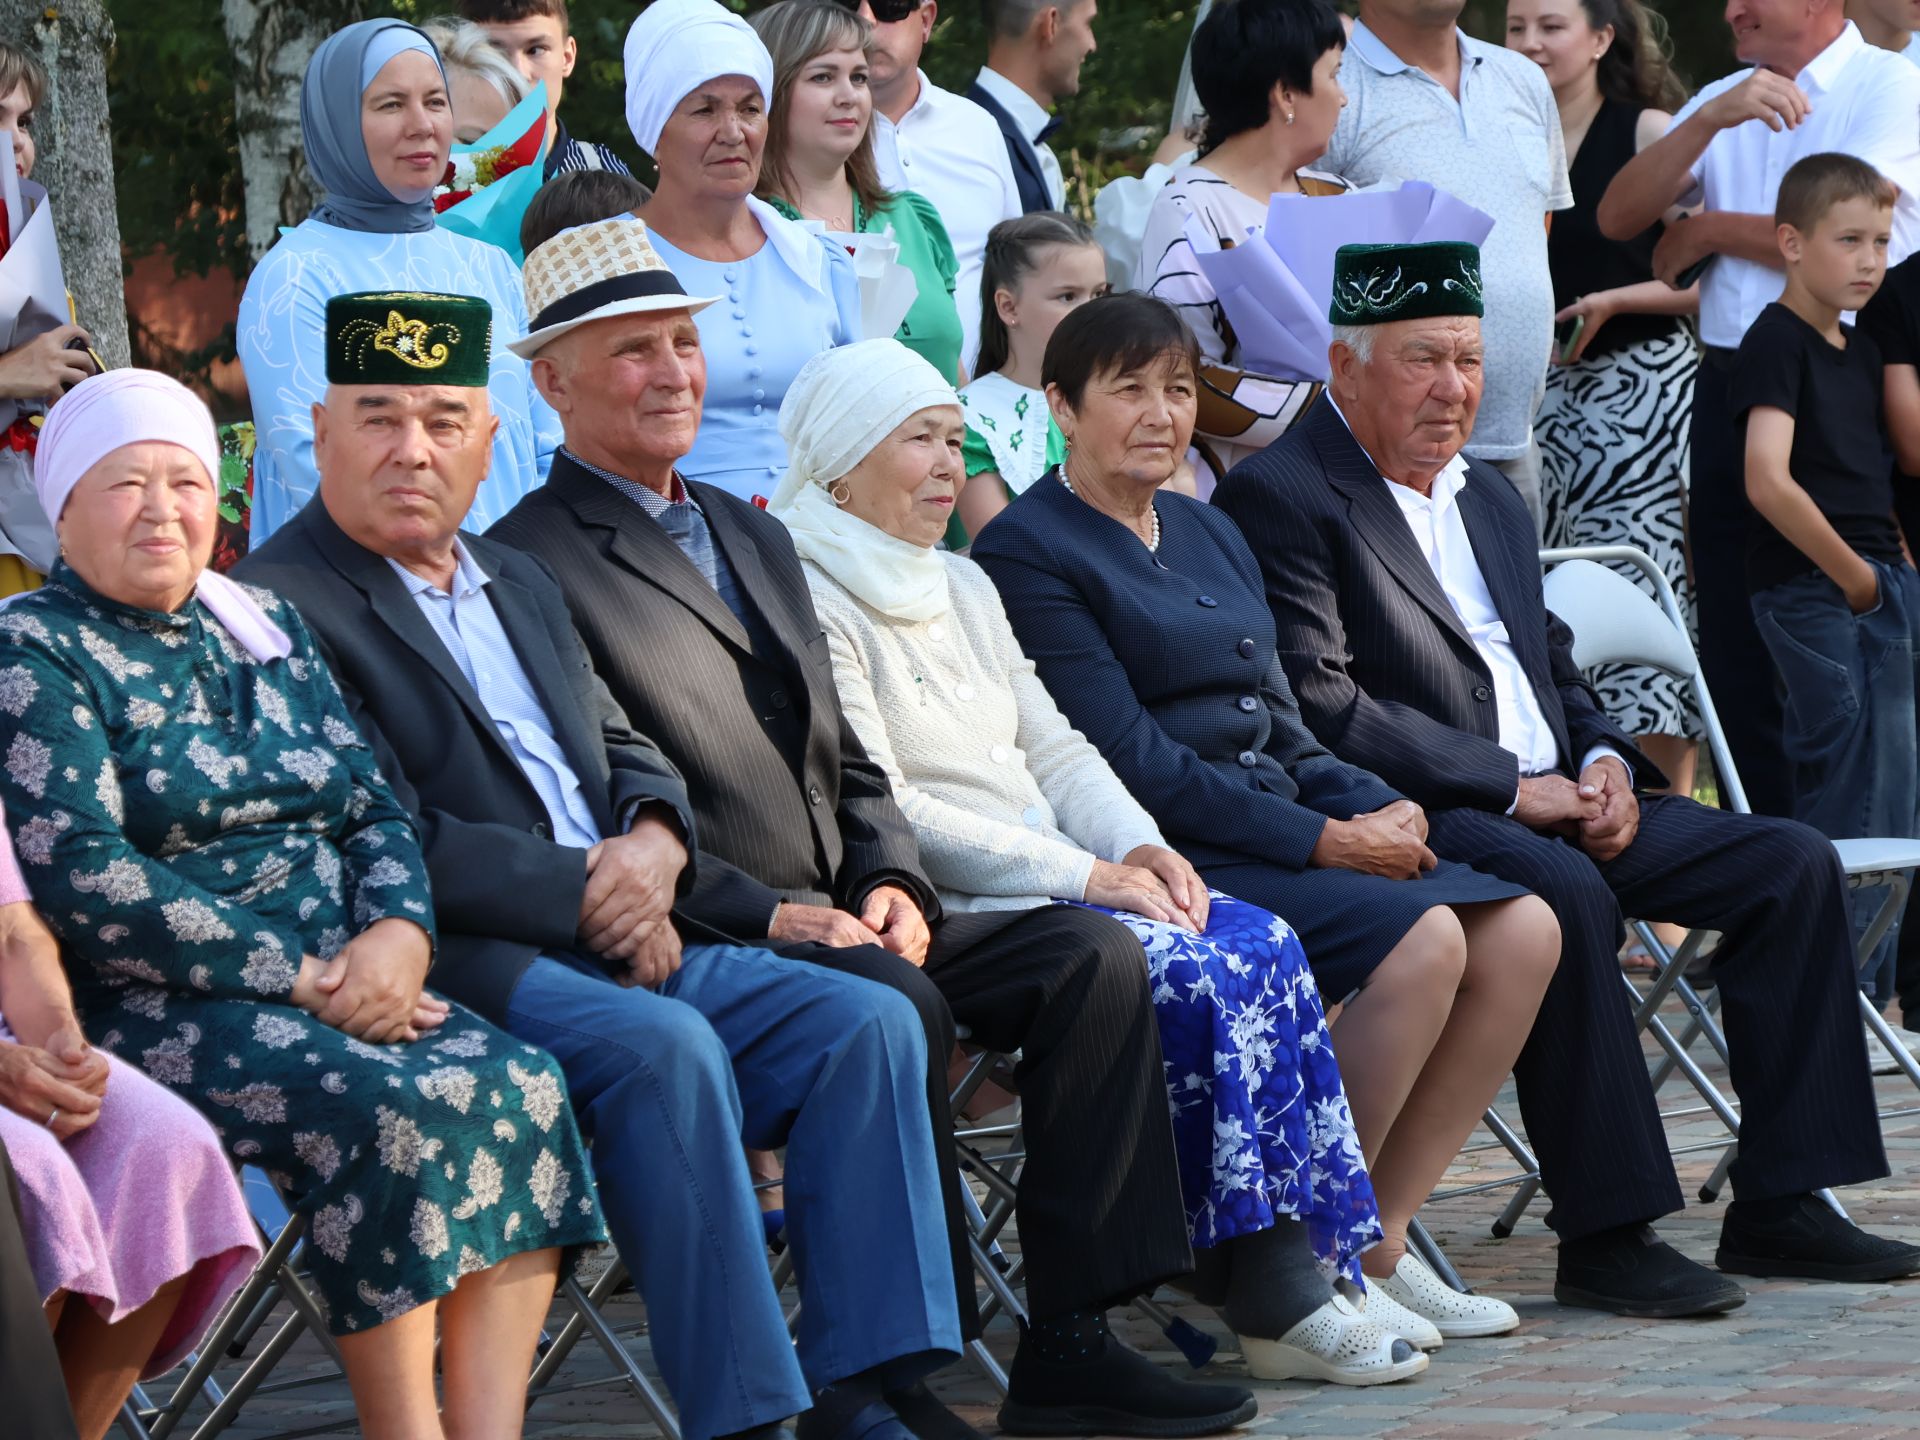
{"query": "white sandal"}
pixel 1397 1319
pixel 1454 1315
pixel 1336 1343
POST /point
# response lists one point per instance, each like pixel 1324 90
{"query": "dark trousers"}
pixel 1786 978
pixel 1738 669
pixel 1099 1209
pixel 30 1384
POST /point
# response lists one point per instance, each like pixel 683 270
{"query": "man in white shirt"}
pixel 1815 86
pixel 1035 50
pixel 1427 102
pixel 1891 24
pixel 940 144
pixel 1404 582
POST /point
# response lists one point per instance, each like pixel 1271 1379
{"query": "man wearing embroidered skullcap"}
pixel 1405 582
pixel 696 613
pixel 559 842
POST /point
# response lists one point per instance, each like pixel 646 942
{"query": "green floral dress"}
pixel 192 822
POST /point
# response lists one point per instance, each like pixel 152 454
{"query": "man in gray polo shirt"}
pixel 1427 102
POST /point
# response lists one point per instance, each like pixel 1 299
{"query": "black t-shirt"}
pixel 1892 321
pixel 1840 455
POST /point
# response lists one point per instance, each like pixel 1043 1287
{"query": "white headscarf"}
pixel 675 47
pixel 126 407
pixel 841 405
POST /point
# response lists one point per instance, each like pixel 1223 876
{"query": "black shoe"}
pixel 1804 1237
pixel 1629 1270
pixel 1117 1392
pixel 920 1411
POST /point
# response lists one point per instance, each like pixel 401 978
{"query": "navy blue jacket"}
pixel 1026 164
pixel 1167 664
pixel 1386 673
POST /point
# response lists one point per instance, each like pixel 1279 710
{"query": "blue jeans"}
pixel 1849 731
pixel 742 1046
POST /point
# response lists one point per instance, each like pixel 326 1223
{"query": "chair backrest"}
pixel 1615 622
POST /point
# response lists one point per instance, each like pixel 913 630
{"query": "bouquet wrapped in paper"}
pixel 887 288
pixel 490 183
pixel 1276 288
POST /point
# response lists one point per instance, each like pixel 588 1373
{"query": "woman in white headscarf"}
pixel 241 905
pixel 377 121
pixel 1013 808
pixel 698 83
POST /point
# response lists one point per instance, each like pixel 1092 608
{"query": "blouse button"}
pixel 730 276
pixel 739 314
pixel 753 349
pixel 936 631
pixel 753 372
pixel 746 330
pixel 1031 815
pixel 1248 759
pixel 1246 648
pixel 734 296
pixel 759 393
pixel 1249 704
pixel 963 692
pixel 998 754
pixel 758 408
pixel 1207 602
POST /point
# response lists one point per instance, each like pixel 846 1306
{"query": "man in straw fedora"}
pixel 559 841
pixel 696 613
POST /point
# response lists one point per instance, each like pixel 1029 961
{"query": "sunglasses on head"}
pixel 887 12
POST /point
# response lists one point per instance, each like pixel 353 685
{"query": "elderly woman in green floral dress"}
pixel 243 907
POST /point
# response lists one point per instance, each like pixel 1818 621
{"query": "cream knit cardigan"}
pixel 1009 803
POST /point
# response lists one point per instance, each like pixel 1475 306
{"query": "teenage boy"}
pixel 535 36
pixel 1835 598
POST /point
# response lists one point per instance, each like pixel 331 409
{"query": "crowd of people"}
pixel 654 715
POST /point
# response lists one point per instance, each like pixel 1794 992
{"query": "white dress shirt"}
pixel 1441 533
pixel 1032 118
pixel 951 151
pixel 1865 103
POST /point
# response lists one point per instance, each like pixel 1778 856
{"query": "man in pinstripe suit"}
pixel 1405 584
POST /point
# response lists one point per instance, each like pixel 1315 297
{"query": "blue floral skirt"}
pixel 1260 1120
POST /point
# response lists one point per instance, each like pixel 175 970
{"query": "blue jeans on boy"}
pixel 1849 735
pixel 744 1046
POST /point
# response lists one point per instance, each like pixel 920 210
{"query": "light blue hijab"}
pixel 337 77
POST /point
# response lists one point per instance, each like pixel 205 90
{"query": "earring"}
pixel 1289 117
pixel 838 491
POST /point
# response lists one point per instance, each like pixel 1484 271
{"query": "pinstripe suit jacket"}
pixel 1386 674
pixel 788 804
pixel 503 890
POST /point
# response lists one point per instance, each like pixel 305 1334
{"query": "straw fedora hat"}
pixel 593 272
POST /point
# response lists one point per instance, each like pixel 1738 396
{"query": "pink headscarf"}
pixel 126 407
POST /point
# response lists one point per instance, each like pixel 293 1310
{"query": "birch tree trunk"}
pixel 75 162
pixel 272 40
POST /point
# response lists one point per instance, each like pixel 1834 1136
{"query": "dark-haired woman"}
pixel 1146 618
pixel 1266 72
pixel 819 165
pixel 1614 425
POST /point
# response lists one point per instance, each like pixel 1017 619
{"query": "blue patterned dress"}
pixel 1260 1119
pixel 193 822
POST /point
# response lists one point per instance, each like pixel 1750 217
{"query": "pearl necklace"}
pixel 1153 545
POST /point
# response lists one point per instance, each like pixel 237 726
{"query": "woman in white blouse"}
pixel 1013 808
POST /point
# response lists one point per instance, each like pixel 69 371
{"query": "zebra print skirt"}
pixel 1613 471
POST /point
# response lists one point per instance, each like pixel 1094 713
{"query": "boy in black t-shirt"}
pixel 1834 596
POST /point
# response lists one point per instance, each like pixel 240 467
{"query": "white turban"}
pixel 106 412
pixel 841 405
pixel 675 47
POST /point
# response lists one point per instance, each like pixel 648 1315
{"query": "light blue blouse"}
pixel 282 344
pixel 770 320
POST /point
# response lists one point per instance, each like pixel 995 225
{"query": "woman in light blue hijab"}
pixel 378 128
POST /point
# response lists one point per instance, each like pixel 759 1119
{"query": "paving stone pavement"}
pixel 1800 1360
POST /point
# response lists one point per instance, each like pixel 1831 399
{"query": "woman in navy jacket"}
pixel 1146 616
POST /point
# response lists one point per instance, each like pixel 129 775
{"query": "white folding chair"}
pixel 1614 621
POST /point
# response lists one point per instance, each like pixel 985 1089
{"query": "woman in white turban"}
pixel 698 82
pixel 1013 808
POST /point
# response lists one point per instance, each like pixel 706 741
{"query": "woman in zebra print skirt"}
pixel 1613 429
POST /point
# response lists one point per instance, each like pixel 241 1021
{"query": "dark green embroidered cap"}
pixel 406 337
pixel 1378 284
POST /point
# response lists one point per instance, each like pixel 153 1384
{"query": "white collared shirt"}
pixel 1032 118
pixel 1866 102
pixel 1498 147
pixel 1440 532
pixel 951 151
